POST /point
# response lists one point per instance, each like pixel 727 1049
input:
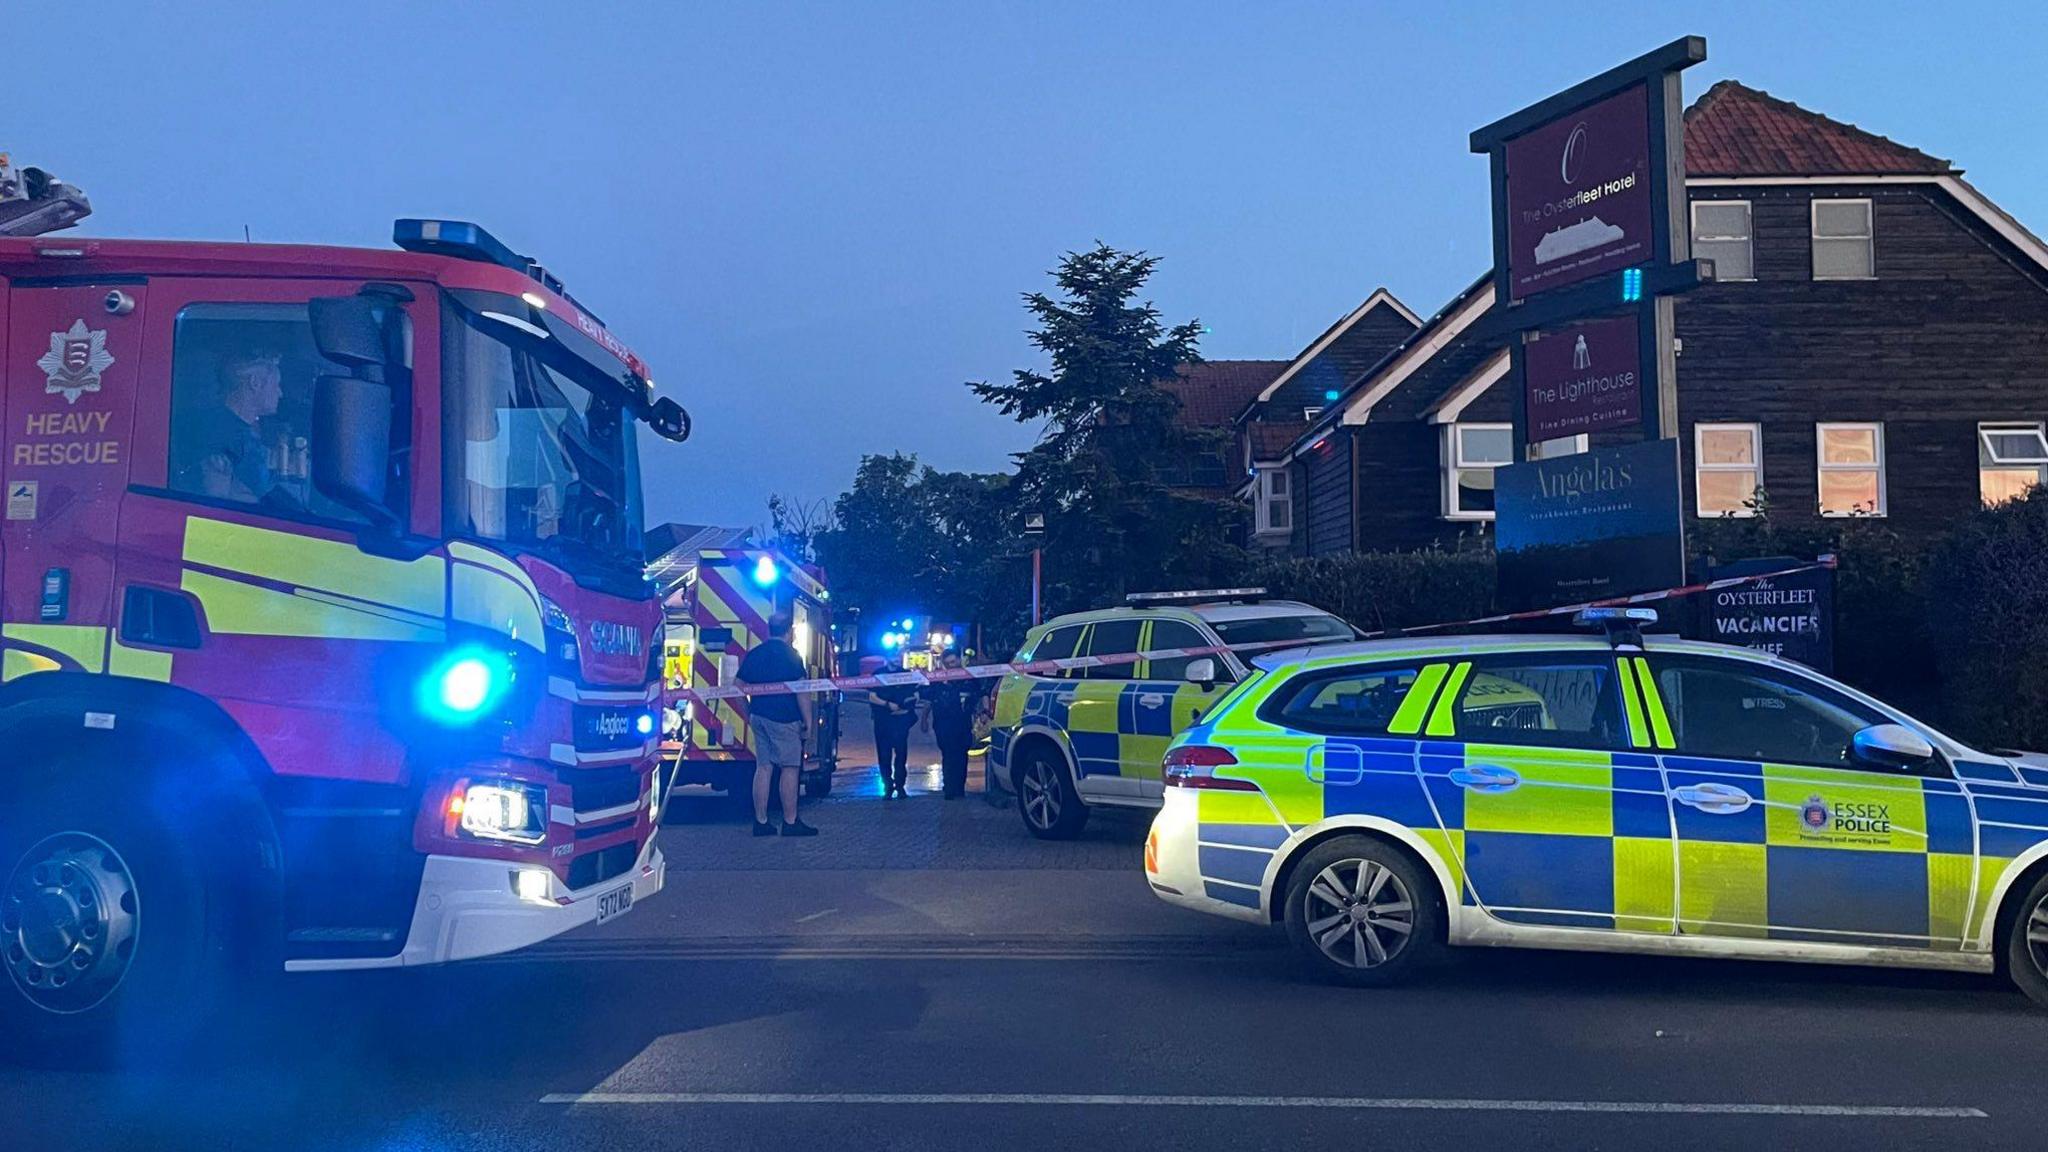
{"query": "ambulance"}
pixel 1383 800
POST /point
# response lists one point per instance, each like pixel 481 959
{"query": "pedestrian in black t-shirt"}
pixel 779 722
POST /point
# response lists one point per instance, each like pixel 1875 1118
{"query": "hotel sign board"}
pixel 1579 191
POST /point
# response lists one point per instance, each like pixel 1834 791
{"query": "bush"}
pixel 1986 596
pixel 1382 590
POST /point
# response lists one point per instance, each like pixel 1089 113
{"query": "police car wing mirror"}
pixel 1891 746
pixel 1202 671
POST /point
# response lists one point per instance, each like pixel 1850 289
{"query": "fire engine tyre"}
pixel 2026 943
pixel 112 950
pixel 1046 799
pixel 1361 912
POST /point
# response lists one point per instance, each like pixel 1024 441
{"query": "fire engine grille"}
pixel 596 789
pixel 600 866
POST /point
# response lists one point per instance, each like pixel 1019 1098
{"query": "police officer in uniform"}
pixel 951 706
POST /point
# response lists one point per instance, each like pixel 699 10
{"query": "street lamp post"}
pixel 1034 527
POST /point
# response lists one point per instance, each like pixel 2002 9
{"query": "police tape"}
pixel 1071 663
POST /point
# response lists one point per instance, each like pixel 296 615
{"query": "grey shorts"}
pixel 778 743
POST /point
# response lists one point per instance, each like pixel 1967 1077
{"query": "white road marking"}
pixel 1394 1103
pixel 815 916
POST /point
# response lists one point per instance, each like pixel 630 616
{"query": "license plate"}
pixel 616 902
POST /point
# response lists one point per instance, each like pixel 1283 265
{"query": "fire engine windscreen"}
pixel 540 450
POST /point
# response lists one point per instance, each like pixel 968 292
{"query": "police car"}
pixel 1096 735
pixel 1385 799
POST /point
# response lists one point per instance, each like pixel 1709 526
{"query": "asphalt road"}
pixel 903 1000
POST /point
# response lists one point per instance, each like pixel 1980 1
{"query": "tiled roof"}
pixel 1215 391
pixel 1735 130
pixel 1271 438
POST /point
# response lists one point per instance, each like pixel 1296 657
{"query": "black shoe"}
pixel 762 829
pixel 799 829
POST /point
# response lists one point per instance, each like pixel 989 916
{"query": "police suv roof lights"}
pixel 1624 626
pixel 1200 596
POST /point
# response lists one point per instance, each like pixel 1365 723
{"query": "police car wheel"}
pixel 1360 911
pixel 1046 799
pixel 111 948
pixel 2026 956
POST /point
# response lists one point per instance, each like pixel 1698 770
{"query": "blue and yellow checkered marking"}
pixel 1111 726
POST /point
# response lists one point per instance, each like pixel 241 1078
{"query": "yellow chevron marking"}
pixel 328 565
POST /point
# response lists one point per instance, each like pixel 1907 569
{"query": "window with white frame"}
pixel 2011 458
pixel 1310 414
pixel 1720 232
pixel 1275 502
pixel 1851 479
pixel 1471 452
pixel 1842 240
pixel 1727 468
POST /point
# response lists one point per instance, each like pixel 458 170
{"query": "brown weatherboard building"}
pixel 1877 345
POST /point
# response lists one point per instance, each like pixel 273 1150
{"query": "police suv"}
pixel 1096 735
pixel 1385 799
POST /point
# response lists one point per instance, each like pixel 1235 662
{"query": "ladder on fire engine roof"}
pixel 33 202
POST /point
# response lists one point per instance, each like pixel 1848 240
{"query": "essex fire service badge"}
pixel 75 360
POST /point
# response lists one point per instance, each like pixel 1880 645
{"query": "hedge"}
pixel 1380 590
pixel 1954 631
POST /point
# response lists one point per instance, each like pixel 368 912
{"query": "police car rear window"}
pixel 1351 701
pixel 1307 628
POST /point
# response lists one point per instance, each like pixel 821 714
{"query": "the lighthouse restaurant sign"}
pixel 1584 378
pixel 1579 194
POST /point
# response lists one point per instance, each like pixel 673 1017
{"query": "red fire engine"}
pixel 327 642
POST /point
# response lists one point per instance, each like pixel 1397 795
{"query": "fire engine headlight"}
pixel 503 810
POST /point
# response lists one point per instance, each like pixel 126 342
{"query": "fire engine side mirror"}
pixel 669 421
pixel 347 331
pixel 351 446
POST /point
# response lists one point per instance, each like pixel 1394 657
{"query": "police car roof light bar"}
pixel 1624 626
pixel 1198 596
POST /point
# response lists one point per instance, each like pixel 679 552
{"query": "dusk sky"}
pixel 815 221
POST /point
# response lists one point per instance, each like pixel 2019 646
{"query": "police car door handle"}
pixel 1151 699
pixel 1484 778
pixel 1714 799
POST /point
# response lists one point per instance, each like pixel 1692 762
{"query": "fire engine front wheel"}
pixel 107 940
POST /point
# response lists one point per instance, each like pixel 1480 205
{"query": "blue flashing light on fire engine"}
pixel 463 685
pixel 891 639
pixel 765 571
pixel 458 238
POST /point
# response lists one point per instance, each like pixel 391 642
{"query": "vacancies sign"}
pixel 1579 195
pixel 1791 615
